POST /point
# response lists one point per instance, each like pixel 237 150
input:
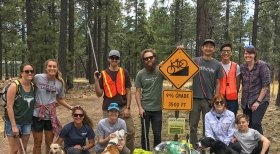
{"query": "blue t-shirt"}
pixel 76 136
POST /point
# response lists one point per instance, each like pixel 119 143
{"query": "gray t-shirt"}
pixel 104 128
pixel 248 140
pixel 46 92
pixel 151 85
pixel 210 70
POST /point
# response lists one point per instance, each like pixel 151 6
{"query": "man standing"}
pixel 148 85
pixel 115 83
pixel 205 85
pixel 230 82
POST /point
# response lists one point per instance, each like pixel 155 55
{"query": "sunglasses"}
pixel 219 102
pixel 148 58
pixel 114 58
pixel 28 71
pixel 76 115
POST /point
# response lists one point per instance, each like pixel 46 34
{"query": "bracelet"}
pixel 259 101
pixel 128 107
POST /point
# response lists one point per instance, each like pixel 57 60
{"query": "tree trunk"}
pixel 277 102
pixel 106 39
pixel 29 29
pixel 227 21
pixel 89 47
pixel 62 52
pixel 70 66
pixel 177 21
pixel 202 24
pixel 1 46
pixel 99 35
pixel 255 23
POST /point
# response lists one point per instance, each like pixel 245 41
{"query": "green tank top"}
pixel 23 106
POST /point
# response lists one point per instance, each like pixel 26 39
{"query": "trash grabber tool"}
pixel 89 33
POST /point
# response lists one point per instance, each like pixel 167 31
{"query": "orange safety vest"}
pixel 112 87
pixel 228 83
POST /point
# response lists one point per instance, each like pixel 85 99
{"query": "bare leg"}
pixel 38 136
pixel 48 140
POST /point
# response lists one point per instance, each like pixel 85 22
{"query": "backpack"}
pixel 3 93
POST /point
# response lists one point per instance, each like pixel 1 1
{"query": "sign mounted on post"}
pixel 177 100
pixel 176 126
pixel 178 68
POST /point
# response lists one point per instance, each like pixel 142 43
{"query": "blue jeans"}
pixel 255 118
pixel 25 129
pixel 72 150
pixel 155 117
pixel 232 105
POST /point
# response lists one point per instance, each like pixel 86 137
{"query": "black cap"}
pixel 209 41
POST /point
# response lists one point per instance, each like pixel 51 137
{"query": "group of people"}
pixel 215 94
pixel 216 87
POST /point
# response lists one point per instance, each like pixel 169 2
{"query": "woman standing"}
pixel 255 77
pixel 75 133
pixel 20 105
pixel 50 90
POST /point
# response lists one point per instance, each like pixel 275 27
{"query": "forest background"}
pixel 33 31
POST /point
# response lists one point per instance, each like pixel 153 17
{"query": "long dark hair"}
pixel 86 120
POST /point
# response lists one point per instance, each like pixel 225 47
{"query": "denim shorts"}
pixel 25 129
pixel 39 125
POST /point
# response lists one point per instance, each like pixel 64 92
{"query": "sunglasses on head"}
pixel 76 115
pixel 148 58
pixel 114 57
pixel 28 71
pixel 219 102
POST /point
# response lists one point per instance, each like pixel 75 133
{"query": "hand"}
pixel 96 75
pixel 255 106
pixel 78 147
pixel 141 112
pixel 233 140
pixel 126 112
pixel 120 147
pixel 15 131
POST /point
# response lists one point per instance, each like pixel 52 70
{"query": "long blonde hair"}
pixel 58 74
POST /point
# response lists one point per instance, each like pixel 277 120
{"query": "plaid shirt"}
pixel 253 81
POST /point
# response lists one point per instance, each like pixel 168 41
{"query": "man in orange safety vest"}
pixel 230 83
pixel 114 83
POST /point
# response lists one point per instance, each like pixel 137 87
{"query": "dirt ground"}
pixel 83 94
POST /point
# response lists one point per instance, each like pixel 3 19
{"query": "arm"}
pixel 265 144
pixel 98 90
pixel 128 102
pixel 59 140
pixel 238 83
pixel 103 140
pixel 138 101
pixel 64 103
pixel 231 131
pixel 217 88
pixel 89 145
pixel 11 93
pixel 208 130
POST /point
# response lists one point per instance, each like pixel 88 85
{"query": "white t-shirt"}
pixel 227 67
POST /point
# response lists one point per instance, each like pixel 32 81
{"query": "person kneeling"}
pixel 251 141
pixel 107 129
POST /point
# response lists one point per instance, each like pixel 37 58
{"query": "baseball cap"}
pixel 250 48
pixel 114 53
pixel 209 41
pixel 113 106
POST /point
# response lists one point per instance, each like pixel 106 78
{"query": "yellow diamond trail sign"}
pixel 178 68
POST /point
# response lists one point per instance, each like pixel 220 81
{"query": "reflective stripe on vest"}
pixel 112 87
pixel 228 83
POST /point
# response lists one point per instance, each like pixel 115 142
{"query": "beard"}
pixel 150 68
